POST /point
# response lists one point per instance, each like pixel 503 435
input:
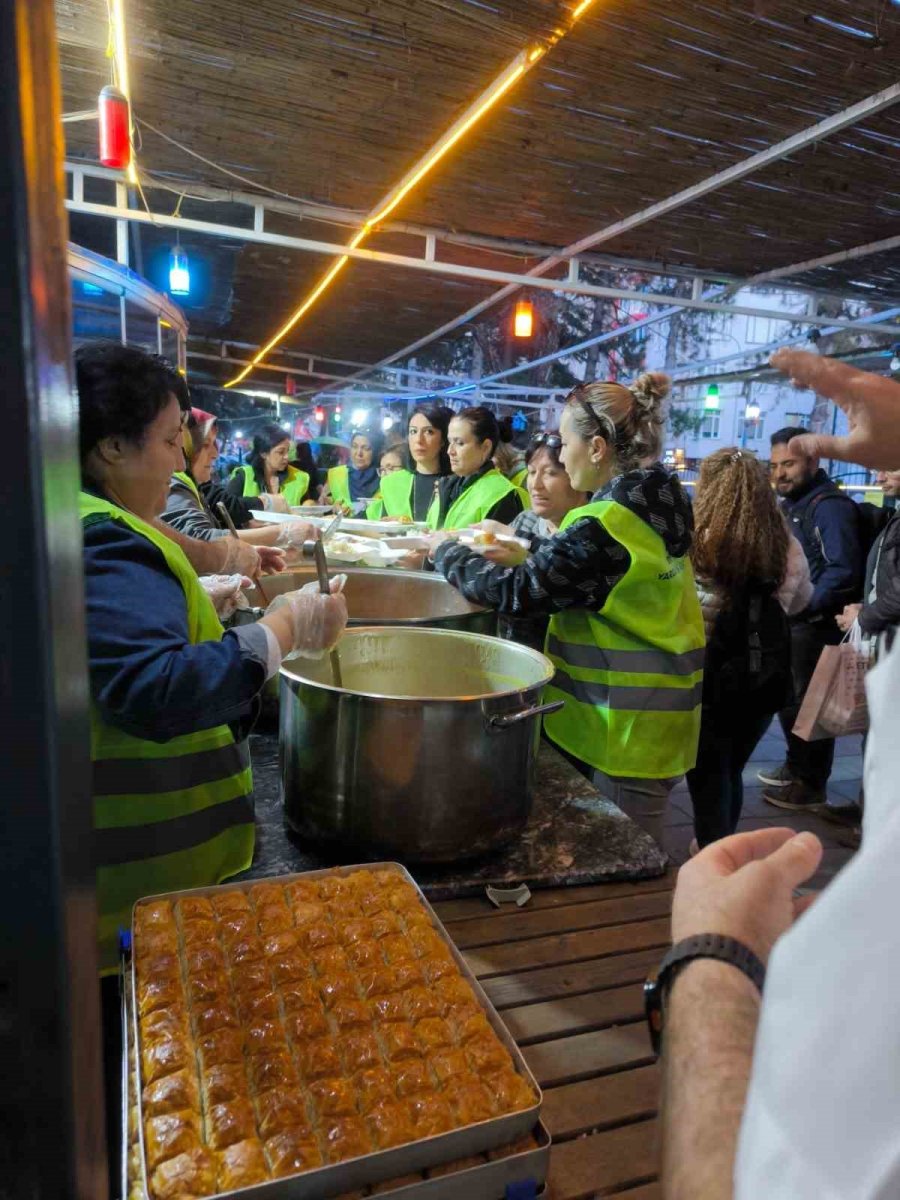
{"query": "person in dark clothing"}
pixel 305 460
pixel 750 574
pixel 827 525
pixel 880 609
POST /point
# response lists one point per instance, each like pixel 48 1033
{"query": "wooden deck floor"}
pixel 566 975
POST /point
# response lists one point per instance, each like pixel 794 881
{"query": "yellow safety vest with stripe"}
pixel 631 675
pixel 475 503
pixel 394 497
pixel 339 485
pixel 294 488
pixel 189 483
pixel 167 815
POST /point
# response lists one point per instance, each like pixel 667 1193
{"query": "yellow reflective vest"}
pixel 294 488
pixel 167 815
pixel 631 675
pixel 475 503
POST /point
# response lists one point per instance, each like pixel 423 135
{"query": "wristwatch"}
pixel 704 945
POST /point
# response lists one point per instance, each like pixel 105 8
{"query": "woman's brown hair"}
pixel 740 535
pixel 631 418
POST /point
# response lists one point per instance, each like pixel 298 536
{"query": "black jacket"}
pixel 883 571
pixel 826 523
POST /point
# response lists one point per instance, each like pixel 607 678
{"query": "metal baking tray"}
pixel 321 1183
pixel 485 1182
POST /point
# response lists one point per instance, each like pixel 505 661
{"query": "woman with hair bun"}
pixel 626 630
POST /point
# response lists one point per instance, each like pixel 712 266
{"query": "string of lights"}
pixel 480 107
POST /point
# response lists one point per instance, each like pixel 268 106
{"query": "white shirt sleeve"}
pixel 822 1120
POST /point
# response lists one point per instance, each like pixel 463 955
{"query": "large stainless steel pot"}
pixel 427 753
pixel 376 597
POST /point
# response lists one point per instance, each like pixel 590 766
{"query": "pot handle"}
pixel 504 720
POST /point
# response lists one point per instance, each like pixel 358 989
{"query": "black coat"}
pixel 883 570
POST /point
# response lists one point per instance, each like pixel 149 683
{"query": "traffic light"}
pixel 337 414
pixel 320 415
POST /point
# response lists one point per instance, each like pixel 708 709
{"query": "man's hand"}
pixel 743 887
pixel 847 617
pixel 871 402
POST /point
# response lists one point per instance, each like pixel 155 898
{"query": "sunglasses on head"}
pixel 551 440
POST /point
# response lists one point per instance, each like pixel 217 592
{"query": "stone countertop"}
pixel 573 836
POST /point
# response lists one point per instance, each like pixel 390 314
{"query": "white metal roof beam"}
pixel 307 210
pixel 456 270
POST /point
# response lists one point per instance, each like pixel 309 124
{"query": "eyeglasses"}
pixel 551 440
pixel 382 471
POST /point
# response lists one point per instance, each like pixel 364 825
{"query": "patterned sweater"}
pixel 579 567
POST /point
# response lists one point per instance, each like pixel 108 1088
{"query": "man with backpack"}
pixel 828 526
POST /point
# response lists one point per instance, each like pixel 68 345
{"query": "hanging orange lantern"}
pixel 523 322
pixel 115 120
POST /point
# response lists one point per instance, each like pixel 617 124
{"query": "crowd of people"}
pixel 678 627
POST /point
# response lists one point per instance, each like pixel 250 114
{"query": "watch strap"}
pixel 705 945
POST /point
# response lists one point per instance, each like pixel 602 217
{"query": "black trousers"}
pixel 728 736
pixel 809 762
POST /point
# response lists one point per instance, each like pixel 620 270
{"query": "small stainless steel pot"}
pixel 427 752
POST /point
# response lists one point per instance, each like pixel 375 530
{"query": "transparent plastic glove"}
pixel 292 534
pixel 240 558
pixel 317 620
pixel 274 502
pixel 225 593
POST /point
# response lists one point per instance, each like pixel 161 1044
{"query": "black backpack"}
pixel 748 655
pixel 870 520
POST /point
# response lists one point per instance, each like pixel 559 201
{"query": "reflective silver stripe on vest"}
pixel 134 843
pixel 641 662
pixel 146 776
pixel 633 699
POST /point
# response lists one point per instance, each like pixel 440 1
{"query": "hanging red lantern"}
pixel 115 131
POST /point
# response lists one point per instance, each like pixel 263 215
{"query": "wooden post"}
pixel 51 1101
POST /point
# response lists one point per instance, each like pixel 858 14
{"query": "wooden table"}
pixel 565 973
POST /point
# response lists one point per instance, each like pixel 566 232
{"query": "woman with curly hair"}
pixel 626 632
pixel 751 574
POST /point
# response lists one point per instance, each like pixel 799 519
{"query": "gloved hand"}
pixel 292 534
pixel 306 622
pixel 274 502
pixel 240 558
pixel 225 593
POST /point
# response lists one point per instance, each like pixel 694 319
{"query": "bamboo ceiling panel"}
pixel 332 101
pixel 880 272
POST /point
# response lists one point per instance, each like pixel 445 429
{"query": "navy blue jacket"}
pixel 145 676
pixel 829 532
